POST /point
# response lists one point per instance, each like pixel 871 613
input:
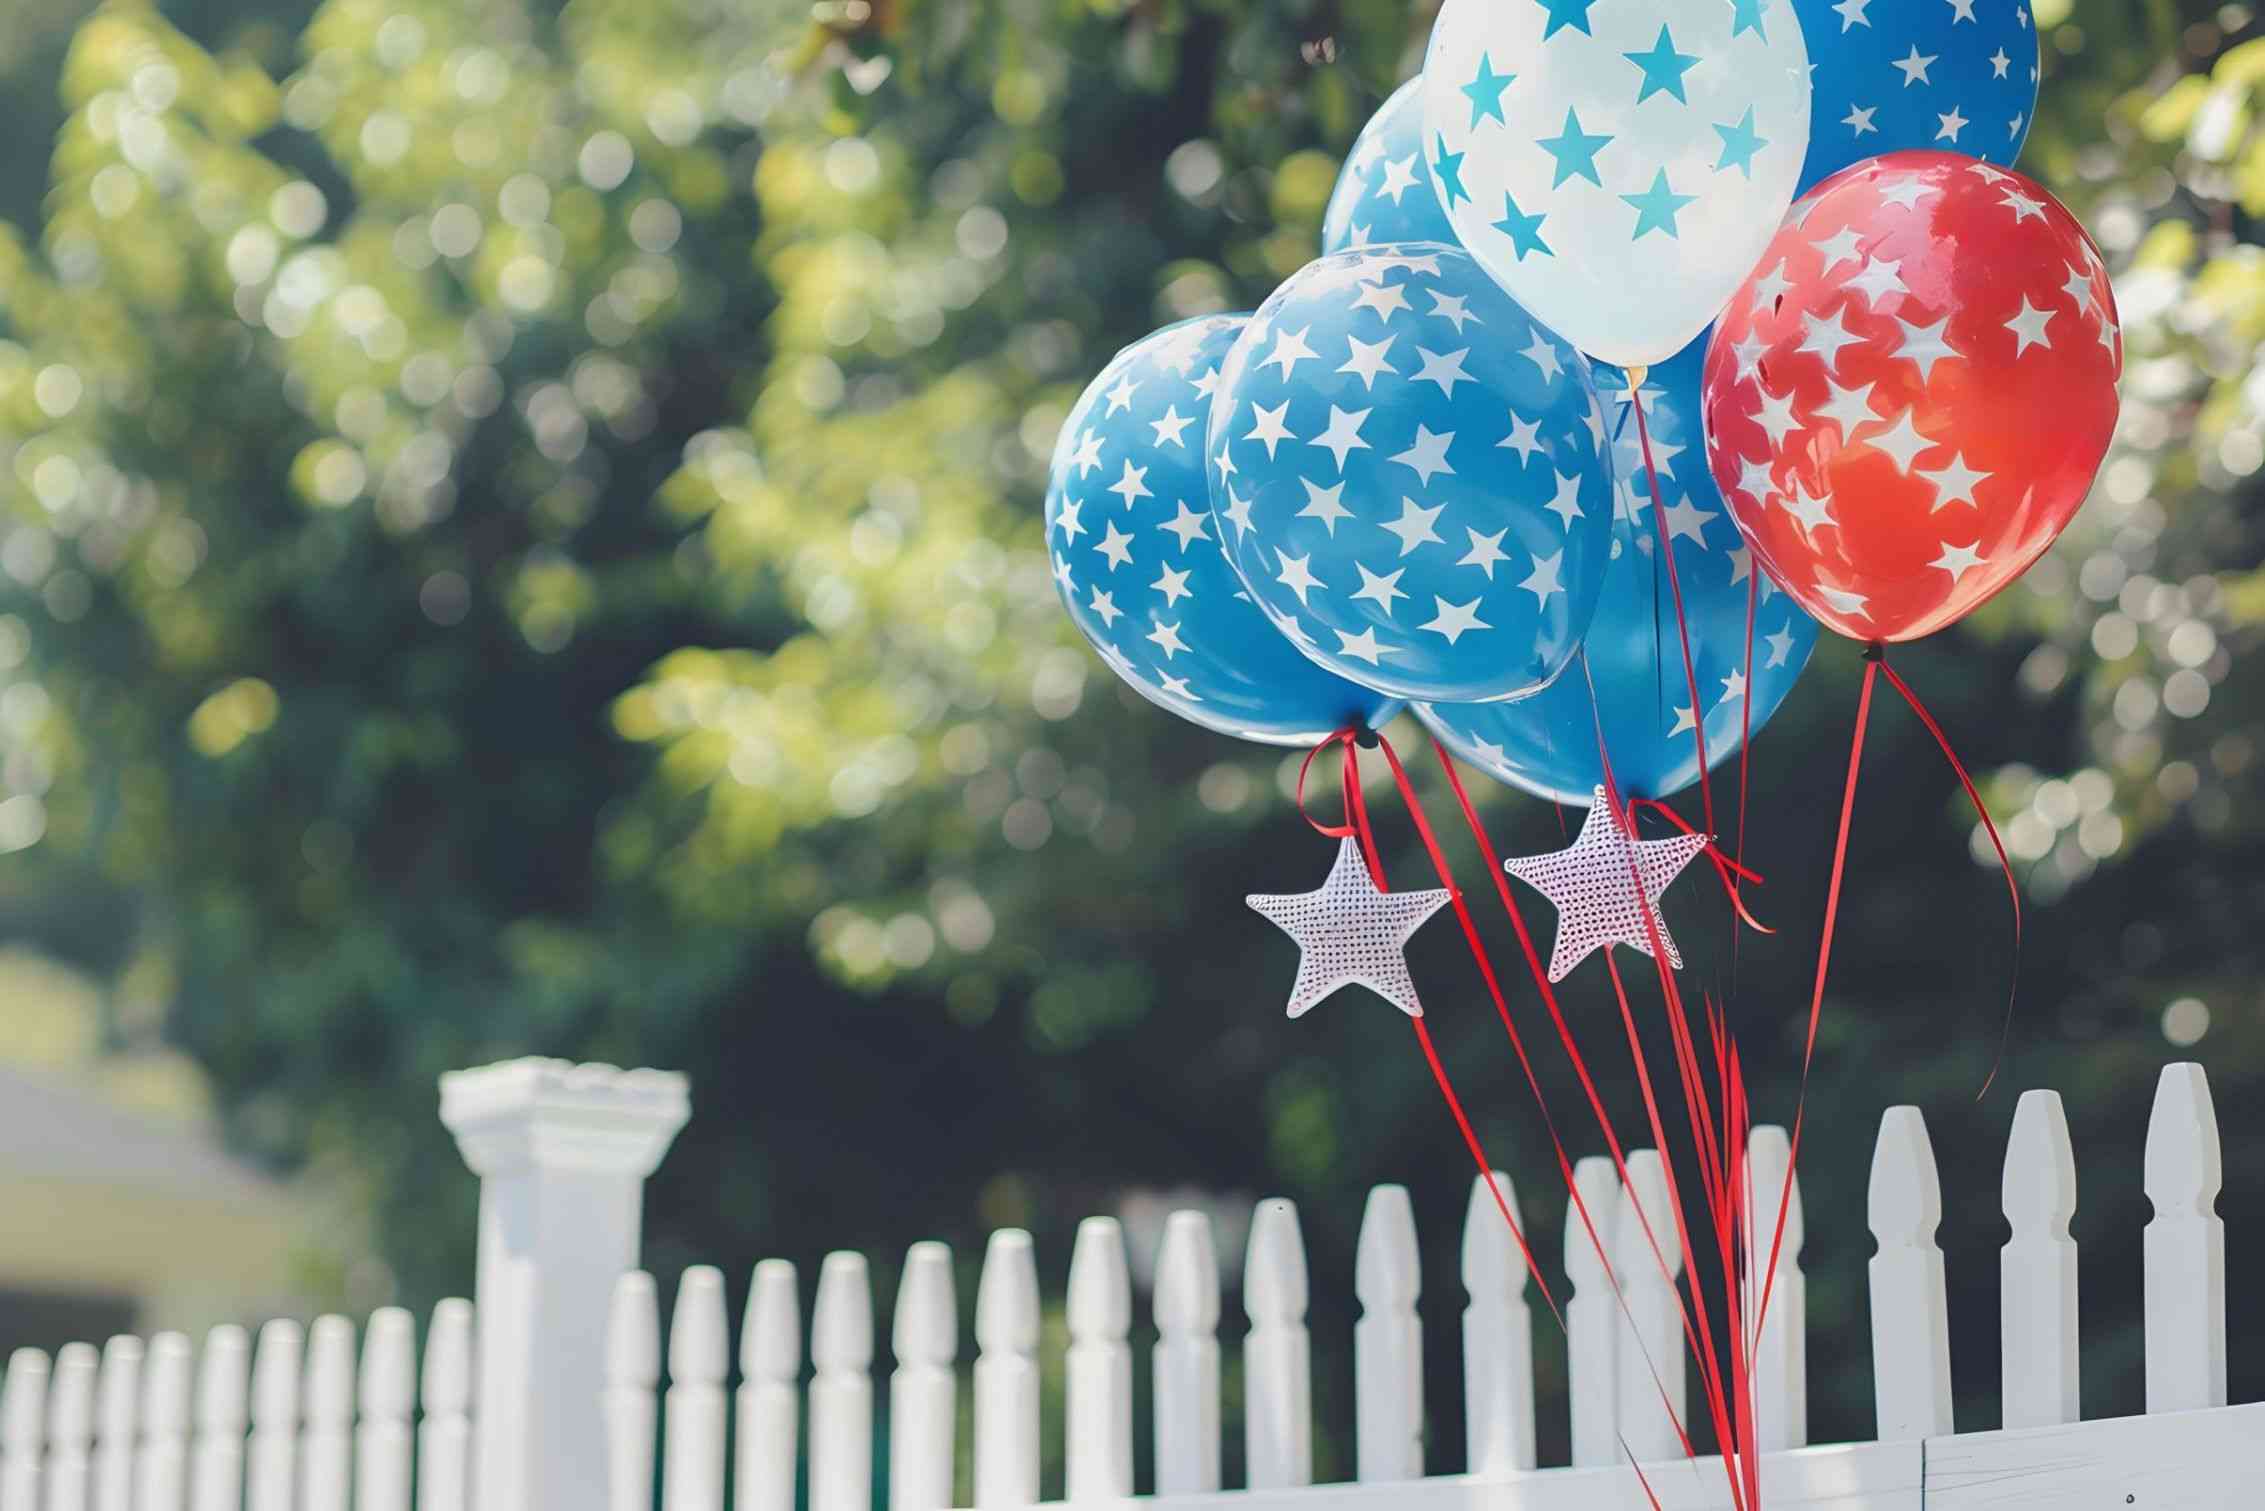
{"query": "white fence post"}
pixel 1277 1352
pixel 1781 1352
pixel 23 1420
pixel 699 1356
pixel 924 1388
pixel 1185 1399
pixel 1387 1342
pixel 1592 1313
pixel 1098 1426
pixel 216 1467
pixel 326 1448
pixel 627 1404
pixel 161 1479
pixel 2037 1268
pixel 271 1468
pixel 1910 1307
pixel 1650 1367
pixel 444 1437
pixel 2185 1247
pixel 841 1387
pixel 770 1404
pixel 118 1389
pixel 562 1152
pixel 1007 1448
pixel 388 1395
pixel 70 1427
pixel 1498 1333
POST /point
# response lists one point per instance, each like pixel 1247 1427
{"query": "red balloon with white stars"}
pixel 1907 403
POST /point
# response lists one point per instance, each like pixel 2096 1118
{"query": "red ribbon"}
pixel 1675 587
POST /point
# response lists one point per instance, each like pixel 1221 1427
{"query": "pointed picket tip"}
pixel 70 1396
pixel 1597 1182
pixel 770 1336
pixel 389 1364
pixel 1638 1248
pixel 2038 1189
pixel 330 1372
pixel 275 1373
pixel 699 1350
pixel 1905 1203
pixel 165 1385
pixel 633 1332
pixel 447 1387
pixel 841 1323
pixel 1100 1299
pixel 925 1326
pixel 1007 1310
pixel 221 1379
pixel 2185 1164
pixel 1769 1156
pixel 1187 1276
pixel 1387 1266
pixel 1493 1264
pixel 1275 1287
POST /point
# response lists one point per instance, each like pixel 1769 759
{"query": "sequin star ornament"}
pixel 1351 934
pixel 1593 887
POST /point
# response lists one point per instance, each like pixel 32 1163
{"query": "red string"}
pixel 1729 870
pixel 1745 741
pixel 1675 586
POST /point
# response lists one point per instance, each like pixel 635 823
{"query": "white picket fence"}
pixel 1624 1353
pixel 573 1417
pixel 294 1424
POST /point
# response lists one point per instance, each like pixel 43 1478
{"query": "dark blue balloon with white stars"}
pixel 1136 554
pixel 1547 744
pixel 1409 474
pixel 1386 193
pixel 1952 75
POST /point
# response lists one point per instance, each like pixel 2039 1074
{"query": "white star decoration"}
pixel 1593 887
pixel 1350 934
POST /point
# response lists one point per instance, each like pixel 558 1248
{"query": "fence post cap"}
pixel 533 1112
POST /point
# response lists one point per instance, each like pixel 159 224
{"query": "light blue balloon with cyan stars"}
pixel 1409 474
pixel 1633 657
pixel 1951 75
pixel 1136 555
pixel 1385 193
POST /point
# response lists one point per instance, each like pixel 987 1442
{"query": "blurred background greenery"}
pixel 519 532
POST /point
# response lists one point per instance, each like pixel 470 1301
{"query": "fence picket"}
pixel 2037 1268
pixel 1910 1309
pixel 70 1427
pixel 326 1444
pixel 633 1369
pixel 841 1390
pixel 2185 1246
pixel 1006 1373
pixel 271 1470
pixel 1277 1352
pixel 216 1468
pixel 770 1406
pixel 1186 1375
pixel 924 1388
pixel 1649 1364
pixel 388 1393
pixel 1498 1333
pixel 1592 1313
pixel 444 1437
pixel 117 1391
pixel 1781 1350
pixel 161 1480
pixel 23 1422
pixel 692 1459
pixel 1387 1342
pixel 1098 1427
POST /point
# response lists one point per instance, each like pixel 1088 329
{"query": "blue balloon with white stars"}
pixel 1952 75
pixel 1547 744
pixel 1136 554
pixel 1385 193
pixel 1409 474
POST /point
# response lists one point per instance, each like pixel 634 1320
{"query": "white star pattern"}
pixel 1427 455
pixel 1414 526
pixel 1350 934
pixel 1607 888
pixel 1454 620
pixel 1343 435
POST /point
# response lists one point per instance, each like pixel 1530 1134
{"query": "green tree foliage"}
pixel 522 536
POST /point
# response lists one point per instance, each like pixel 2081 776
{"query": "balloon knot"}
pixel 1876 651
pixel 1366 738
